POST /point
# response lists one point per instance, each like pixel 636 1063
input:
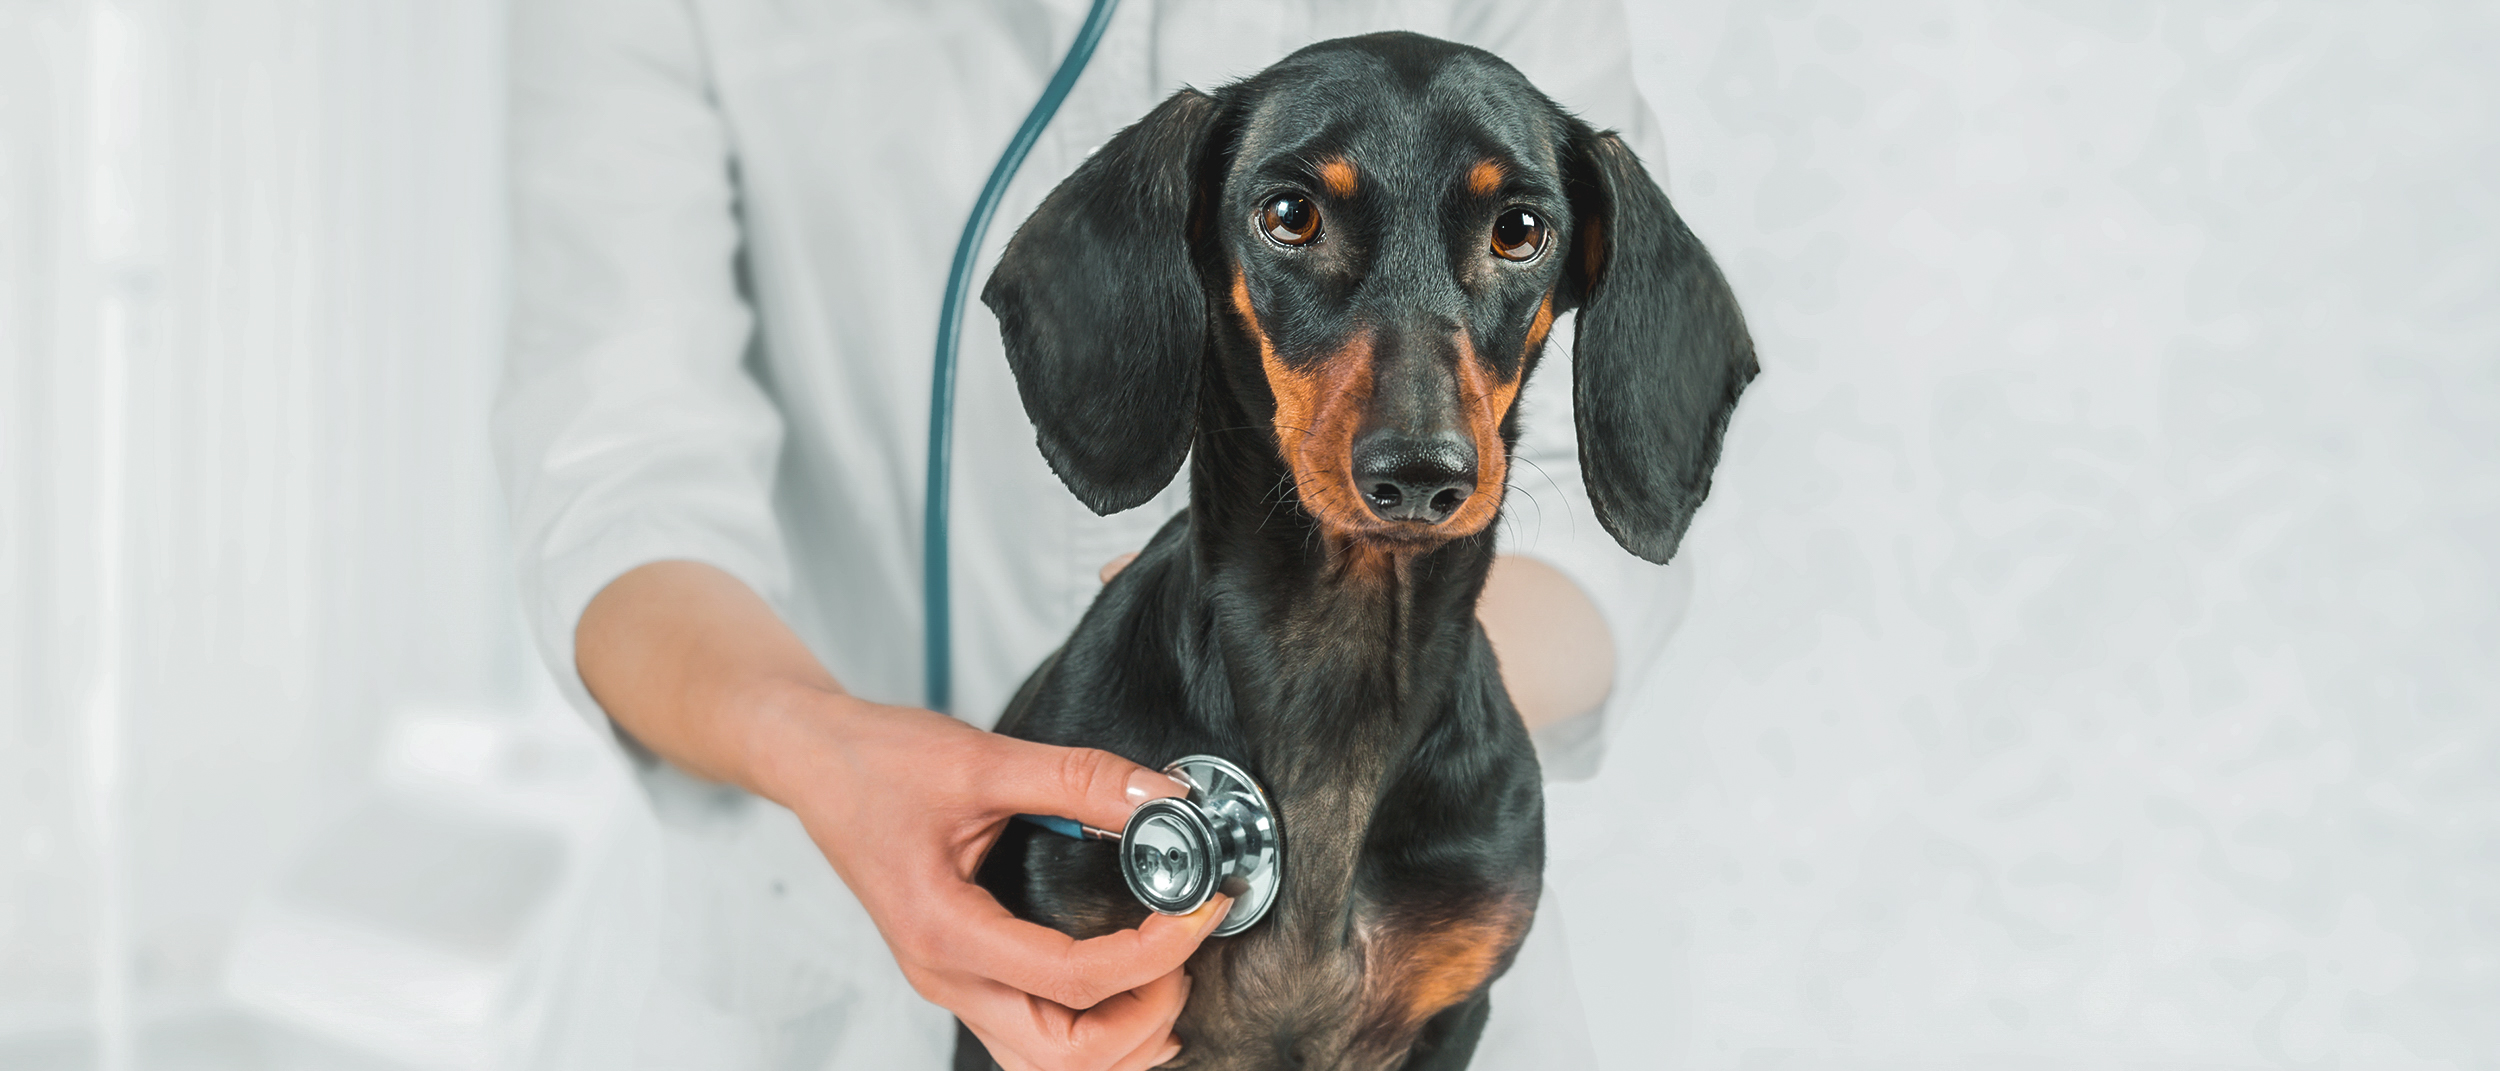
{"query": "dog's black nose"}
pixel 1404 478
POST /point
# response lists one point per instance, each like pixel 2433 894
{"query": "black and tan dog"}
pixel 1324 286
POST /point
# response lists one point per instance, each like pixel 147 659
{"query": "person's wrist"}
pixel 787 724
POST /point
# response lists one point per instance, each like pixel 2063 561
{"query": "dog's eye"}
pixel 1518 234
pixel 1289 219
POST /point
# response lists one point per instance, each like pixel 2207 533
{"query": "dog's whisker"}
pixel 1275 499
pixel 1263 427
pixel 1558 489
pixel 1540 469
pixel 1533 500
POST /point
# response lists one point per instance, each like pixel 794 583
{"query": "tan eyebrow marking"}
pixel 1337 174
pixel 1484 178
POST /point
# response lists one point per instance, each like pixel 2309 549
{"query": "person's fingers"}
pixel 1156 1052
pixel 1095 787
pixel 1137 1025
pixel 983 938
pixel 1127 1030
pixel 1112 568
pixel 1160 1046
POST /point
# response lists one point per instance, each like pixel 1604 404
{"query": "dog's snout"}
pixel 1405 478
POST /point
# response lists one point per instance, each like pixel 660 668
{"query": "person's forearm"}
pixel 695 665
pixel 904 803
pixel 1558 658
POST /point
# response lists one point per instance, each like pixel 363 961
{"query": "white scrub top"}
pixel 732 224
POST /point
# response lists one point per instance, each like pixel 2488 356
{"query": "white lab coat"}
pixel 733 220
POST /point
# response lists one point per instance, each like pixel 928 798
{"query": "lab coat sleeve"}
pixel 1579 53
pixel 629 428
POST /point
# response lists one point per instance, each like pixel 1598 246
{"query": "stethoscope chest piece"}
pixel 1222 837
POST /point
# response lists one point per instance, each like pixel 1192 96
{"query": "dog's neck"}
pixel 1335 613
pixel 1338 658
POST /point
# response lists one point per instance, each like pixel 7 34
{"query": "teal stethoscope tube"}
pixel 938 636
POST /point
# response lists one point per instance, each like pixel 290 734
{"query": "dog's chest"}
pixel 1357 956
pixel 1323 993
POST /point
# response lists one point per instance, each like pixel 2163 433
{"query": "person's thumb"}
pixel 1095 787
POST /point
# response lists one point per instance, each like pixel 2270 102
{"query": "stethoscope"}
pixel 1177 852
pixel 1174 853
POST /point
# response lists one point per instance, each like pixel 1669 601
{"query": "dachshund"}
pixel 1323 287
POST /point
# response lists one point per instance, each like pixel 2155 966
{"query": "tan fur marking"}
pixel 1250 319
pixel 1418 972
pixel 1484 178
pixel 1444 969
pixel 1318 410
pixel 1483 402
pixel 1592 251
pixel 1537 328
pixel 1337 173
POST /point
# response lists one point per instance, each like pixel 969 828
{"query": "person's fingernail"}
pixel 1148 784
pixel 1169 1053
pixel 1215 909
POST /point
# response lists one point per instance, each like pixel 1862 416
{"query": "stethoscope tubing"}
pixel 938 626
pixel 1264 854
pixel 1069 827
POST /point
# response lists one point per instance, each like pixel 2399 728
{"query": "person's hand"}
pixel 905 802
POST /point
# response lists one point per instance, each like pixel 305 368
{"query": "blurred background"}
pixel 2092 659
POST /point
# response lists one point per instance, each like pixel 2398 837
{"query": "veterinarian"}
pixel 732 222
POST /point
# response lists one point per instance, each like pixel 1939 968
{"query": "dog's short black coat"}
pixel 1172 299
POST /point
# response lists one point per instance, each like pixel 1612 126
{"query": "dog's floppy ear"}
pixel 1662 351
pixel 1103 311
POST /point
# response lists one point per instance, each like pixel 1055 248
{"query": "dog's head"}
pixel 1366 244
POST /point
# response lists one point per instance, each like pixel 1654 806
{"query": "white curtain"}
pixel 250 286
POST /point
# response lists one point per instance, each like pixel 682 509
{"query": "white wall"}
pixel 2091 660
